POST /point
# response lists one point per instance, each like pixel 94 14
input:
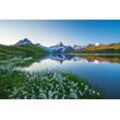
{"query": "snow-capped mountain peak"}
pixel 61 48
pixel 25 41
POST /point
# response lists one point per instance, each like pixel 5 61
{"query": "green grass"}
pixel 41 85
pixel 44 85
pixel 9 52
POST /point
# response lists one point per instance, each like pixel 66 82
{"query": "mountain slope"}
pixel 8 52
pixel 47 49
pixel 102 48
pixel 60 48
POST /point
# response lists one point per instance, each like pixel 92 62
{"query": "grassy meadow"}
pixel 47 84
pixel 44 85
pixel 9 52
pixel 15 84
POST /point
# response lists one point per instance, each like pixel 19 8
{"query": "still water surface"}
pixel 102 72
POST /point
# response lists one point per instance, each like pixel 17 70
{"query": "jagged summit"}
pixel 61 48
pixel 61 44
pixel 25 41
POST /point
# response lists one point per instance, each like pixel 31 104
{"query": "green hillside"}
pixel 102 48
pixel 8 52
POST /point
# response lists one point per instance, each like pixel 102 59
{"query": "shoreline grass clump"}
pixel 44 85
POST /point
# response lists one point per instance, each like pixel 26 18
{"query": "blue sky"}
pixel 52 32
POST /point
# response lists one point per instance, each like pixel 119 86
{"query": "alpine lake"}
pixel 101 71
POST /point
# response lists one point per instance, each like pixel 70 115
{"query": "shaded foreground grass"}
pixel 44 85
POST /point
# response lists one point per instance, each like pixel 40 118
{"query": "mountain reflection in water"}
pixel 89 58
pixel 101 71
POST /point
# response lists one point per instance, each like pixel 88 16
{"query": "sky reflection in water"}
pixel 102 72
